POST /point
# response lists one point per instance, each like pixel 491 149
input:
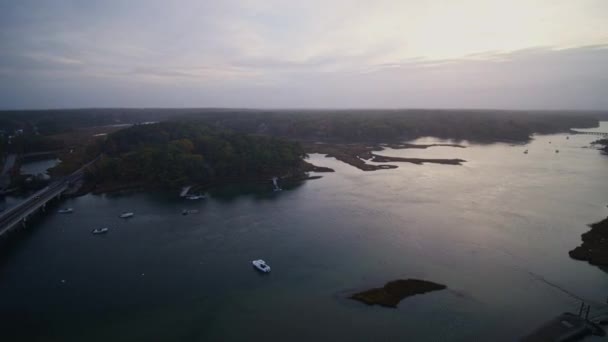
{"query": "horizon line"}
pixel 474 109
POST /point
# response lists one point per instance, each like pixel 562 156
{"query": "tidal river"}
pixel 496 231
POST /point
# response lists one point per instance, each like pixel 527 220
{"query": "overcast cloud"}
pixel 519 54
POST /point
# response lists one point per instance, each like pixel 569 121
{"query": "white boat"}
pixel 100 230
pixel 195 197
pixel 184 191
pixel 126 215
pixel 261 266
pixel 275 184
pixel 189 211
pixel 65 211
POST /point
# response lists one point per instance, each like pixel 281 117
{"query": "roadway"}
pixel 11 217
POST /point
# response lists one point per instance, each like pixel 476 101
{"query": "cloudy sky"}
pixel 516 54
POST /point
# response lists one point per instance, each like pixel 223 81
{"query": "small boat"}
pixel 261 266
pixel 275 184
pixel 556 151
pixel 184 191
pixel 195 197
pixel 526 152
pixel 127 215
pixel 189 211
pixel 65 211
pixel 100 230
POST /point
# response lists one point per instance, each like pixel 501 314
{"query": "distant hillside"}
pixel 328 125
pixel 398 125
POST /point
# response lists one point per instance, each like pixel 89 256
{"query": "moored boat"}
pixel 275 184
pixel 126 215
pixel 100 230
pixel 65 211
pixel 195 197
pixel 261 266
pixel 184 191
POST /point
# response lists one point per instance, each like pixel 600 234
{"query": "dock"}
pixel 601 134
pixel 565 327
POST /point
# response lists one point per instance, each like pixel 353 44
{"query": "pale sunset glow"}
pixel 241 53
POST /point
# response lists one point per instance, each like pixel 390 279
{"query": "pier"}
pixel 601 134
pixel 569 326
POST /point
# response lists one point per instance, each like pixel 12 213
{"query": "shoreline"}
pixel 418 161
pixel 119 187
pixel 603 143
pixel 357 154
pixel 393 292
pixel 594 248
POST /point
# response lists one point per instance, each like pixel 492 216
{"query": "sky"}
pixel 516 54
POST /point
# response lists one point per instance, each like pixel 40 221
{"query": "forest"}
pixel 171 154
pixel 481 126
pixel 327 125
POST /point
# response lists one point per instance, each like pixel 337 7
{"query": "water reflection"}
pixel 259 191
pixel 496 231
pixel 38 166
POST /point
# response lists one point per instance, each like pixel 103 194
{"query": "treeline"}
pixel 399 125
pixel 49 122
pixel 29 143
pixel 344 125
pixel 172 154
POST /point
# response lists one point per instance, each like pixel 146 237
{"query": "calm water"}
pixel 30 168
pixel 38 166
pixel 496 231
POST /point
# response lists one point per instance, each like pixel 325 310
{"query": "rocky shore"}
pixel 594 248
pixel 394 291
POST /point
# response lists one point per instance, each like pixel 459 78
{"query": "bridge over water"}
pixel 15 218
